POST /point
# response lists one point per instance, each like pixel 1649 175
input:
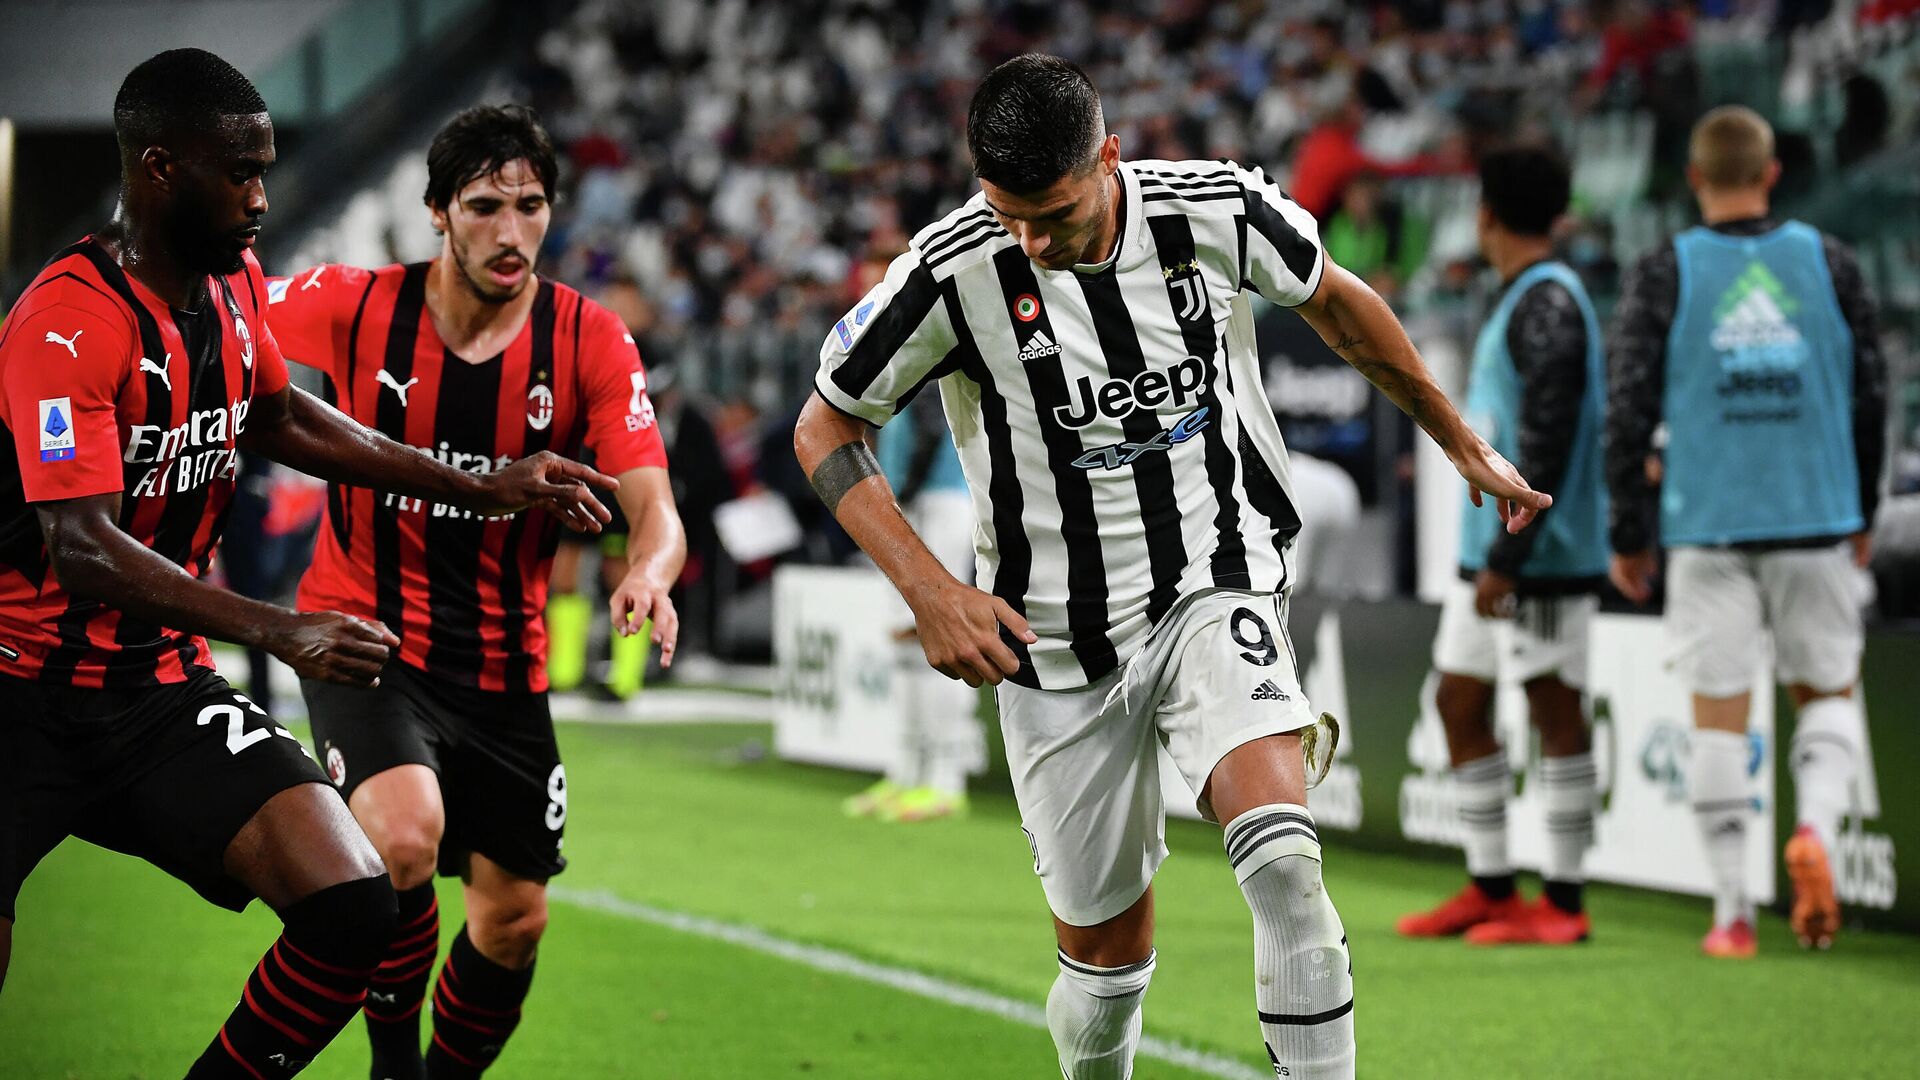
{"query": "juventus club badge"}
pixel 1188 291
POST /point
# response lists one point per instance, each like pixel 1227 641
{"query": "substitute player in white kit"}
pixel 1756 343
pixel 1087 323
pixel 941 741
pixel 1522 608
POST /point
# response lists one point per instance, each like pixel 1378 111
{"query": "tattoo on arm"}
pixel 1384 356
pixel 842 470
pixel 1400 377
pixel 1413 394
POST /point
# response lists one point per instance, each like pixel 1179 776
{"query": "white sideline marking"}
pixel 835 962
pixel 667 705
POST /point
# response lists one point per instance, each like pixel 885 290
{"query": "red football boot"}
pixel 1734 941
pixel 1816 907
pixel 1540 923
pixel 1466 909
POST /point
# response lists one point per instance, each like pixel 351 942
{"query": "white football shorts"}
pixel 1547 635
pixel 1217 672
pixel 1722 601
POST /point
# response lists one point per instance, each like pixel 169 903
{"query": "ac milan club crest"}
pixel 539 408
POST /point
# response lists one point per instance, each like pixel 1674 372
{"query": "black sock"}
pixel 476 1005
pixel 1496 886
pixel 399 987
pixel 307 987
pixel 1565 895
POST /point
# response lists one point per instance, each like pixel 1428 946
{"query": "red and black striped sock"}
pixel 399 987
pixel 307 986
pixel 475 1007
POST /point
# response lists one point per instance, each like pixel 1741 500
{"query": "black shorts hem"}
pixel 453 863
pixel 224 890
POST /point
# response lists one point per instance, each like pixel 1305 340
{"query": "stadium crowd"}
pixel 737 173
pixel 756 163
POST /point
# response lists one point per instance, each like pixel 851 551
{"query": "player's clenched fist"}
pixel 331 646
pixel 555 484
pixel 959 628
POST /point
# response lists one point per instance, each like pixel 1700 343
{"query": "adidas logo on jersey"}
pixel 1755 321
pixel 1268 691
pixel 1755 314
pixel 1037 346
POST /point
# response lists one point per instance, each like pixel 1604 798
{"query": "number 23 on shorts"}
pixel 238 737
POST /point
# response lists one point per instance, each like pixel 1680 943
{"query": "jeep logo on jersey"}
pixel 539 408
pixel 1116 398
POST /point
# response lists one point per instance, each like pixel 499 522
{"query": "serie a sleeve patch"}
pixel 57 441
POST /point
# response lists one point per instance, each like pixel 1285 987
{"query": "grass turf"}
pixel 119 972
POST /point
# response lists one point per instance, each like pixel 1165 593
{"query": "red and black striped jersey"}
pixel 107 389
pixel 465 593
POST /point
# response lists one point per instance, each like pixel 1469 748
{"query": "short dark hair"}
pixel 1033 120
pixel 1525 186
pixel 177 90
pixel 482 140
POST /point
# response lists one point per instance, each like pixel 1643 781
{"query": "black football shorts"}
pixel 501 779
pixel 168 773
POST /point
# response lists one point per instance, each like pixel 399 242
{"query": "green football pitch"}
pixel 721 919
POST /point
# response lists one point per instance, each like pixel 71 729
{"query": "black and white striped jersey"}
pixel 1110 419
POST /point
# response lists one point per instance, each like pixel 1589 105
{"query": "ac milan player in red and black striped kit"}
pixel 451 760
pixel 135 366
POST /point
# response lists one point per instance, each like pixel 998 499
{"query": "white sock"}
pixel 1482 787
pixel 908 769
pixel 946 709
pixel 1826 754
pixel 1717 779
pixel 1094 1015
pixel 1569 784
pixel 1303 976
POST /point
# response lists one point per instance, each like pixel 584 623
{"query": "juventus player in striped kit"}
pixel 131 370
pixel 1087 322
pixel 451 760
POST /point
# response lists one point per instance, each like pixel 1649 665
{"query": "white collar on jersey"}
pixel 1124 251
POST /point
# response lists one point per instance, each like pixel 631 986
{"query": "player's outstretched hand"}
pixel 640 599
pixel 1489 473
pixel 959 628
pixel 335 647
pixel 555 484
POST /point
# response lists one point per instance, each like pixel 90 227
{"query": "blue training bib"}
pixel 1759 391
pixel 1573 540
